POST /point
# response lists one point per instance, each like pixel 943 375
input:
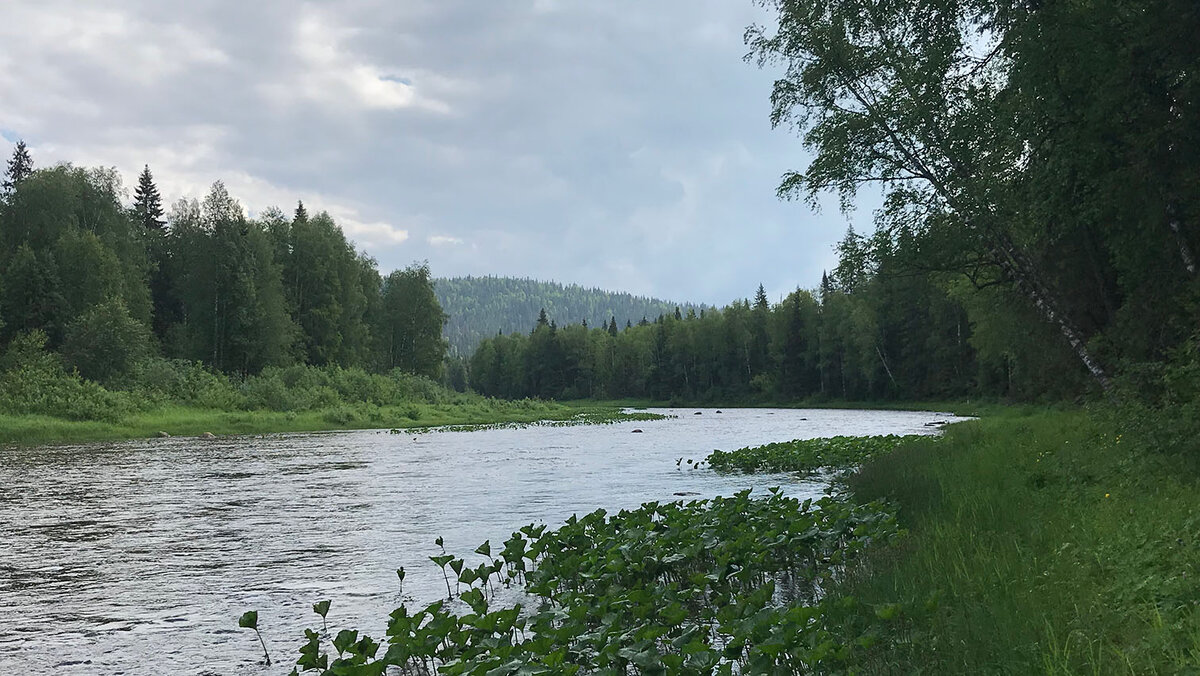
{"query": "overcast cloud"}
pixel 618 144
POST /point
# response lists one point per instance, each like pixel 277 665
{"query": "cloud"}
pixel 623 145
pixel 331 75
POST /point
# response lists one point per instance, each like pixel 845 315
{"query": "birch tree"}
pixel 912 96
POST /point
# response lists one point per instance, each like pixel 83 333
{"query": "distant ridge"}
pixel 479 307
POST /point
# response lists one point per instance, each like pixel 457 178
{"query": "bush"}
pixel 185 383
pixel 105 342
pixel 34 381
pixel 1160 401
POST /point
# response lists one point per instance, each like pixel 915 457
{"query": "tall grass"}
pixel 41 401
pixel 1053 542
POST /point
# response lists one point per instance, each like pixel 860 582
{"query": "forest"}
pixel 110 308
pixel 480 307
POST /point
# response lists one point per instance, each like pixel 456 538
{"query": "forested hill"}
pixel 479 307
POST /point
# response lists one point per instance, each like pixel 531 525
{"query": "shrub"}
pixel 105 342
pixel 34 381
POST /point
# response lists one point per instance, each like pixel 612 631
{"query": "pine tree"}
pixel 612 327
pixel 678 314
pixel 301 213
pixel 147 203
pixel 19 167
pixel 542 319
pixel 760 299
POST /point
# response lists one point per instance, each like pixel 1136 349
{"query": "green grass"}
pixel 1054 543
pixel 188 421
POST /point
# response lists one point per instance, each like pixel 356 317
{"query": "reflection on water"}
pixel 137 558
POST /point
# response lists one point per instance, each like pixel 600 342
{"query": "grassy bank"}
pixel 1054 543
pixel 187 421
pixel 43 402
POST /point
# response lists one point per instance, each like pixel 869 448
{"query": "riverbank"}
pixel 1049 542
pixel 961 407
pixel 189 421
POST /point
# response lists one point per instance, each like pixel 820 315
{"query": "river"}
pixel 138 557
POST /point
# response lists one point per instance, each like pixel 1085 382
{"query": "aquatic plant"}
pixel 601 417
pixel 322 608
pixel 730 585
pixel 806 455
pixel 249 620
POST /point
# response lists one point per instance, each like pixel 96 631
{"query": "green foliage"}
pixel 105 342
pixel 34 381
pixel 730 585
pixel 411 321
pixel 893 338
pixel 1053 541
pixel 20 165
pixel 248 620
pixel 805 455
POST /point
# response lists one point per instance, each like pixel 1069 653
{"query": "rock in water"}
pixel 163 435
pixel 208 435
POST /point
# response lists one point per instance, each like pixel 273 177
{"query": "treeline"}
pixel 481 307
pixel 109 285
pixel 886 337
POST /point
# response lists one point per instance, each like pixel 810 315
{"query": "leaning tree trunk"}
pixel 1185 251
pixel 1022 271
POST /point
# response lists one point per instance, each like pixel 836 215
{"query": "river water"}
pixel 138 557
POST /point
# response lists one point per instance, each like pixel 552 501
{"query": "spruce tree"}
pixel 301 213
pixel 612 327
pixel 542 319
pixel 20 166
pixel 147 203
pixel 760 299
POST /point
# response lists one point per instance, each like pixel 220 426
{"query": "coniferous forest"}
pixel 481 307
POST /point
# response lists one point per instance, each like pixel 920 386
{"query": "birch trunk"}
pixel 1185 251
pixel 1021 270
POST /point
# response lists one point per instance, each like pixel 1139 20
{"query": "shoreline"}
pixel 179 421
pixel 184 421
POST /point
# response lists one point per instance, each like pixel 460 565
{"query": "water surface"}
pixel 138 557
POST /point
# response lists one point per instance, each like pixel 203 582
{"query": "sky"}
pixel 620 144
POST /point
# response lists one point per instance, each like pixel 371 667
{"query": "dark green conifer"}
pixel 760 299
pixel 147 203
pixel 20 166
